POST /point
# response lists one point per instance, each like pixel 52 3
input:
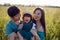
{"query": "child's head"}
pixel 27 17
pixel 14 13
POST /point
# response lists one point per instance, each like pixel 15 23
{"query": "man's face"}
pixel 16 17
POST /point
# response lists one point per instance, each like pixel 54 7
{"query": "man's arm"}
pixel 11 36
pixel 9 33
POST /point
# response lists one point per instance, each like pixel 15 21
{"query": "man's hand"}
pixel 12 36
pixel 20 26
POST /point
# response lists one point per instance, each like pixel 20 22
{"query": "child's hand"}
pixel 20 26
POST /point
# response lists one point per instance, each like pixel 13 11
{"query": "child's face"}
pixel 16 17
pixel 26 19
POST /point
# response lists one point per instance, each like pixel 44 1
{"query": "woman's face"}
pixel 26 19
pixel 37 15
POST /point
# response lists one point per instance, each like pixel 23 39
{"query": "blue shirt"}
pixel 11 27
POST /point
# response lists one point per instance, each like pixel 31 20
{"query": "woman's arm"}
pixel 34 32
pixel 35 35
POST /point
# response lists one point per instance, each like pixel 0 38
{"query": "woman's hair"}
pixel 28 15
pixel 42 20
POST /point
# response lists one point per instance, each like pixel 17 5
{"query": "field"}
pixel 52 19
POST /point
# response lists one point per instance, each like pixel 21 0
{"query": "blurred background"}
pixel 52 16
pixel 52 19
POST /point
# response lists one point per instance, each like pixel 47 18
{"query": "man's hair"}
pixel 12 11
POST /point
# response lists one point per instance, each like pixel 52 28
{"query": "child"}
pixel 12 25
pixel 28 27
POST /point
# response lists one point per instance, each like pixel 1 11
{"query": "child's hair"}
pixel 12 11
pixel 28 15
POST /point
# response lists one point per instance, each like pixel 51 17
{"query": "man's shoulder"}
pixel 8 23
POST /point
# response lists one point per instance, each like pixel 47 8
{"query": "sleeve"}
pixel 8 30
pixel 22 32
pixel 33 27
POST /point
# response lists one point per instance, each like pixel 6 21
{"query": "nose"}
pixel 36 15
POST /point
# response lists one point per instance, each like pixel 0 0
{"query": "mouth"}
pixel 27 21
pixel 36 17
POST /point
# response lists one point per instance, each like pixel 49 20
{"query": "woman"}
pixel 39 20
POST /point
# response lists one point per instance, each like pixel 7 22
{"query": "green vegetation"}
pixel 52 19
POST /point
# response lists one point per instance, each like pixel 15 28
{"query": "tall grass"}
pixel 52 19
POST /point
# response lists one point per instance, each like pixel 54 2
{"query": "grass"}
pixel 52 19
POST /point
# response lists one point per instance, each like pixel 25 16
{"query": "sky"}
pixel 33 2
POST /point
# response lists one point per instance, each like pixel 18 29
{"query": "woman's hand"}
pixel 36 37
pixel 34 32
